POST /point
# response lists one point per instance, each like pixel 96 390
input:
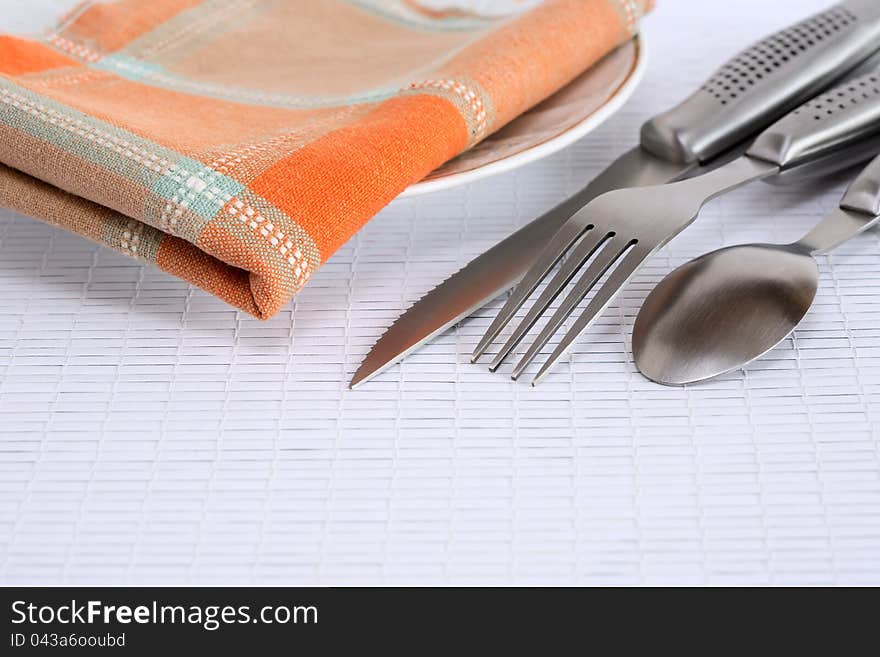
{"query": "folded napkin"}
pixel 238 143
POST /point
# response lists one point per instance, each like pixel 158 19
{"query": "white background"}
pixel 150 434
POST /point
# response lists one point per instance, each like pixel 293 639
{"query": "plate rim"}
pixel 550 146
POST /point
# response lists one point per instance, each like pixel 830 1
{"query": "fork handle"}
pixel 766 81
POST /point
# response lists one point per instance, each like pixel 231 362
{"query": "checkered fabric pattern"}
pixel 239 143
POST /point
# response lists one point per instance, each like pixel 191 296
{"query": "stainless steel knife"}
pixel 704 132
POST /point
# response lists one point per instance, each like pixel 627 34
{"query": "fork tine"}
pixel 616 281
pixel 552 254
pixel 601 264
pixel 592 241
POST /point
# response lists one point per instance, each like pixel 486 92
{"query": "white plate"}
pixel 559 121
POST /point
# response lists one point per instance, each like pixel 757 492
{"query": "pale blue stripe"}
pixel 218 189
pixel 168 183
pixel 79 145
pixel 156 75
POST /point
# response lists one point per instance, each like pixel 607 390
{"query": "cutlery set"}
pixel 727 308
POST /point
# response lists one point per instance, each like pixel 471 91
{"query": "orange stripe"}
pixel 271 282
pixel 184 260
pixel 21 56
pixel 334 185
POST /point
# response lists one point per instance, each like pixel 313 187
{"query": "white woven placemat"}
pixel 150 434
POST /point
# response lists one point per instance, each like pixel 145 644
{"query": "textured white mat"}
pixel 149 434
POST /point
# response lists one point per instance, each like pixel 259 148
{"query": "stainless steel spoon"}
pixel 725 309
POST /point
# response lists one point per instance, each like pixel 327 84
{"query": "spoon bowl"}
pixel 723 310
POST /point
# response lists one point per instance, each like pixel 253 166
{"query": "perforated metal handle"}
pixel 864 194
pixel 845 116
pixel 766 81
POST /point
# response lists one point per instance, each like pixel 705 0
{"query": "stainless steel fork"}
pixel 617 232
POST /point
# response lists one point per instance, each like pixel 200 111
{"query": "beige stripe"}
pixel 133 238
pixel 60 168
pixel 35 198
pixel 246 161
pixel 468 96
pixel 630 12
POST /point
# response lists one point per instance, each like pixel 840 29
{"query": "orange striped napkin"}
pixel 239 143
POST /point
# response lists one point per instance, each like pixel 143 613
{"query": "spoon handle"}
pixel 864 194
pixel 859 210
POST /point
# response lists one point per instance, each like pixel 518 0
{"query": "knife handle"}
pixel 864 194
pixel 847 116
pixel 766 81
